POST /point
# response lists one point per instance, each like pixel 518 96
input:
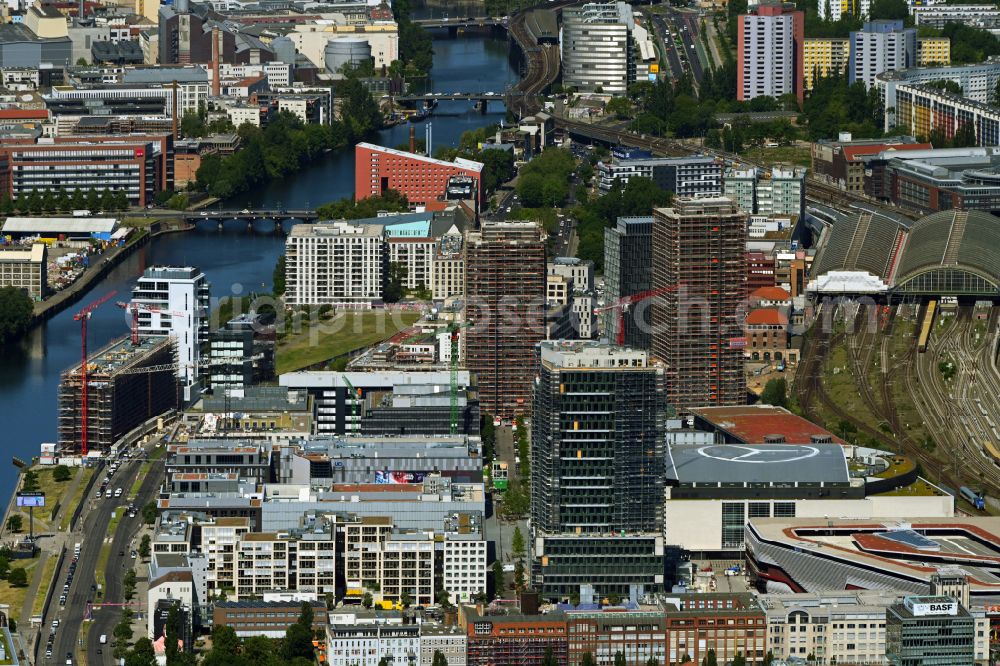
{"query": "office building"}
pixel 770 52
pixel 258 617
pixel 411 402
pixel 933 51
pixel 699 259
pixel 694 176
pixel 929 630
pixel 175 301
pixel 597 50
pixel 335 263
pixel 824 57
pixel 25 268
pixel 881 46
pixel 419 178
pixel 241 353
pixel 505 307
pixel 628 268
pixel 597 456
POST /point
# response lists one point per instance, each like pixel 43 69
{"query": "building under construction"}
pixel 505 274
pixel 126 385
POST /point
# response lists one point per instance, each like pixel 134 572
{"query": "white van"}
pixel 104 639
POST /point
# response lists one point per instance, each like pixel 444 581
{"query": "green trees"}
pixel 349 209
pixel 367 601
pixel 278 276
pixel 61 473
pixel 144 545
pixel 889 9
pixel 738 660
pixel 548 658
pixel 358 110
pixel 775 392
pixel 17 577
pixel 517 543
pixel 620 658
pixel 588 659
pixel 439 659
pixel 394 290
pixel 298 637
pixel 638 197
pixel 499 586
pixel 141 654
pixel 416 50
pixel 710 659
pixel 15 523
pixel 544 181
pixel 15 313
pixel 149 513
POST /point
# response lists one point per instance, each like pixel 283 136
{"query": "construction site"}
pixel 123 384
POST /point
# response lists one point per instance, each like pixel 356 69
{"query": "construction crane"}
pixel 622 305
pixel 355 407
pixel 453 333
pixel 83 316
pixel 134 308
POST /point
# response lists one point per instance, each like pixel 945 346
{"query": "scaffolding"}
pixel 126 385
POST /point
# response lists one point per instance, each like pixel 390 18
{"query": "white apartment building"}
pixel 175 301
pixel 881 46
pixel 579 271
pixel 408 566
pixel 558 289
pixel 597 49
pixel 279 561
pixel 464 569
pixel 740 185
pixel 276 73
pixel 767 57
pixel 780 191
pixel 416 255
pixel 448 267
pixel 365 640
pixel 335 263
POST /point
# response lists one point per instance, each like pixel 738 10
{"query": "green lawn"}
pixel 70 506
pixel 14 596
pixel 797 155
pixel 143 471
pixel 46 583
pixel 343 333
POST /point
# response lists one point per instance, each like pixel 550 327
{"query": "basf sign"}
pixel 924 606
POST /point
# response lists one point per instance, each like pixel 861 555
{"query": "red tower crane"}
pixel 83 316
pixel 621 306
pixel 135 308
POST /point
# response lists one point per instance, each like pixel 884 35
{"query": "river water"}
pixel 234 260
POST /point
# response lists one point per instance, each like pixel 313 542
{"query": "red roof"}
pixel 751 423
pixel 852 152
pixel 770 294
pixel 766 317
pixel 24 114
pixel 249 81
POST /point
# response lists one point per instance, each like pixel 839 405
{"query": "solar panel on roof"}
pixel 910 538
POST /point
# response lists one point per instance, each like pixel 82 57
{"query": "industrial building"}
pixel 628 269
pixel 126 384
pixel 769 51
pixel 391 401
pixel 695 176
pixel 699 266
pixel 597 461
pixel 597 49
pixel 175 301
pixel 25 268
pixel 419 178
pixel 505 308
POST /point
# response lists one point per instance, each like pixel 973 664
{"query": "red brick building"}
pixel 730 624
pixel 766 331
pixel 421 179
pixel 760 270
pixel 514 640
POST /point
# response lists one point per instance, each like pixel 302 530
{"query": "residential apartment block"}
pixel 776 192
pixel 693 176
pixel 770 51
pixel 881 46
pixel 335 263
pixel 925 109
pixel 823 57
pixel 305 561
pixel 933 51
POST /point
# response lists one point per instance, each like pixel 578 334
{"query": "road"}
pixel 663 33
pixel 90 534
pixel 107 617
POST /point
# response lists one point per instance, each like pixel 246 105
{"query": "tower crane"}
pixel 83 316
pixel 622 305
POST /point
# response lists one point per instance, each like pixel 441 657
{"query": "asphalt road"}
pixel 689 21
pixel 90 534
pixel 669 45
pixel 107 617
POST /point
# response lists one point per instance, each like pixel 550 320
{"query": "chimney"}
pixel 173 116
pixel 216 84
pixel 82 11
pixel 413 138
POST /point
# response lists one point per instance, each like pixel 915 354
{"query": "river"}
pixel 234 261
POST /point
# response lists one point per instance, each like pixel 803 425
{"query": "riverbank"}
pixel 58 302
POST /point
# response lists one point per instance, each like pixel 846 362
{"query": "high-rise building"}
pixel 779 191
pixel 770 51
pixel 699 254
pixel 597 452
pixel 597 49
pixel 174 301
pixel 881 46
pixel 505 279
pixel 834 10
pixel 628 269
pixel 933 51
pixel 824 56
